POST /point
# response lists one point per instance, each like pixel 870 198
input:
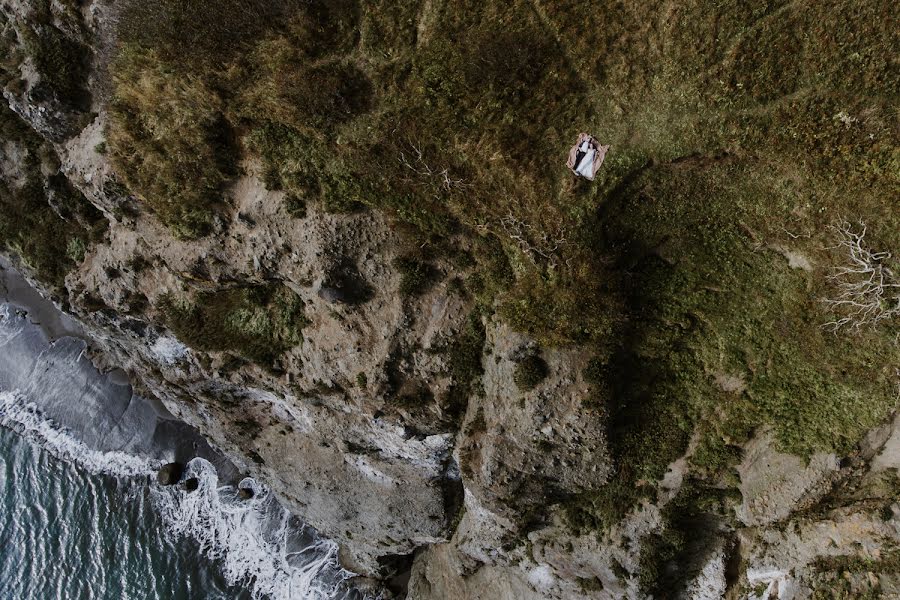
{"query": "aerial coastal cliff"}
pixel 340 240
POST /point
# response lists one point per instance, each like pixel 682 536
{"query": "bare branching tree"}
pixel 538 245
pixel 867 289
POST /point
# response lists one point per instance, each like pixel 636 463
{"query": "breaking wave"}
pixel 26 419
pixel 256 542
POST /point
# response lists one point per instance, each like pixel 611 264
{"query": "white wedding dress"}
pixel 585 168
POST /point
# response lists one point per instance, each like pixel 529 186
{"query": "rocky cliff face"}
pixel 397 416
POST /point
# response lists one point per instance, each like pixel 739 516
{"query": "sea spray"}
pixel 25 418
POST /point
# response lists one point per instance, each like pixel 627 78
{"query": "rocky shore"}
pixel 47 352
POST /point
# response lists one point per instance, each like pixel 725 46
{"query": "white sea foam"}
pixel 24 417
pixel 257 542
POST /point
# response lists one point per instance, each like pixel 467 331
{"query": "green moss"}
pixel 590 584
pixel 888 562
pixel 75 250
pixel 600 510
pixel 830 579
pixel 259 322
pixel 295 206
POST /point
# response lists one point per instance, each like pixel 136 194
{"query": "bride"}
pixel 584 161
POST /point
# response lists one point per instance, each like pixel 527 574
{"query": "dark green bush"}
pixel 464 353
pixel 416 276
pixel 62 63
pixel 529 372
pixel 257 322
pixel 295 206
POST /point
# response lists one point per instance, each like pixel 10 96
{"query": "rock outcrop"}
pixel 169 474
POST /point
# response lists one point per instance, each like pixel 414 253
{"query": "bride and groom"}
pixel 586 156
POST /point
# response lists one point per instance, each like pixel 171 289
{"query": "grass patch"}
pixel 829 580
pixel 259 323
pixel 169 140
pixel 707 300
pixel 888 562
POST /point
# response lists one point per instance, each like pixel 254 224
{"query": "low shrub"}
pixel 529 372
pixel 257 322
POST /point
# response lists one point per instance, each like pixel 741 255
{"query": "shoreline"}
pixel 43 359
pixel 16 290
pixel 118 418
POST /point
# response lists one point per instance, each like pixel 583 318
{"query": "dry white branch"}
pixel 414 160
pixel 867 290
pixel 537 245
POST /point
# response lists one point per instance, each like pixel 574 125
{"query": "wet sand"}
pixel 43 348
pixel 15 290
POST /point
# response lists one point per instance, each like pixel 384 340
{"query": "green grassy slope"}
pixel 740 131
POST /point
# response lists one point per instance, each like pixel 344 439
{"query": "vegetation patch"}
pixel 258 322
pixel 705 300
pixel 735 144
pixel 44 220
pixel 848 577
pixel 463 355
pixel 678 552
pixel 530 371
pixel 416 276
pixel 53 43
pixel 169 140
